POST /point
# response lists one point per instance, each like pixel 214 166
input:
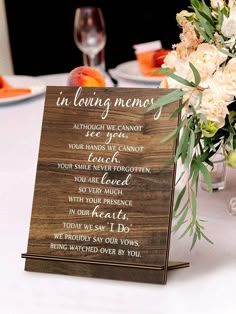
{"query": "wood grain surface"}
pixel 103 197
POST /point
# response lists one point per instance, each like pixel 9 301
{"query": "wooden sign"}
pixel 103 200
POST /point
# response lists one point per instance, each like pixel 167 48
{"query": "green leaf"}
pixel 195 3
pixel 170 135
pixel 178 110
pixel 179 199
pixel 197 77
pixel 181 220
pixel 192 167
pixel 234 142
pixel 169 162
pixel 198 231
pixel 206 174
pixel 195 176
pixel 226 52
pixel 166 99
pixel 180 211
pixel 206 238
pixel 203 118
pixel 203 9
pixel 194 240
pixel 185 146
pixel 204 155
pixel 231 129
pixel 219 19
pixel 191 145
pixel 194 205
pixel 185 232
pixel 182 145
pixel 204 17
pixel 202 32
pixel 175 77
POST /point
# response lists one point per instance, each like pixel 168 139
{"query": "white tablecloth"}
pixel 208 286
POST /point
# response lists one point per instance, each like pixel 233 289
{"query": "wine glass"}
pixel 89 32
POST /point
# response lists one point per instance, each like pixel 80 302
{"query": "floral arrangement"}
pixel 201 70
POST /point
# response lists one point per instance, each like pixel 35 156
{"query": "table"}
pixel 207 286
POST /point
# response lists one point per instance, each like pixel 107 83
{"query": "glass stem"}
pixel 91 61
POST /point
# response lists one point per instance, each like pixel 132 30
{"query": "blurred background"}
pixel 41 32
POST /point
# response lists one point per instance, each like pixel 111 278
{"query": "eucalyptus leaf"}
pixel 205 237
pixel 185 231
pixel 220 19
pixel 195 176
pixel 179 211
pixel 231 129
pixel 182 145
pixel 202 32
pixel 191 145
pixel 176 77
pixel 179 199
pixel 181 220
pixel 185 145
pixel 205 13
pixel 170 135
pixel 169 162
pixel 205 23
pixel 180 177
pixel 178 110
pixel 197 77
pixel 194 205
pixel 203 118
pixel 195 147
pixel 234 142
pixel 198 231
pixel 226 52
pixel 206 174
pixel 166 99
pixel 194 240
pixel 205 155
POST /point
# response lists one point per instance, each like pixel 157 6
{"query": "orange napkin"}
pixel 149 61
pixel 7 90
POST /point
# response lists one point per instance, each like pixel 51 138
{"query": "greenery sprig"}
pixel 207 97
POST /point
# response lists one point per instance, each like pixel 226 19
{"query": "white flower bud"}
pixel 228 28
pixel 231 159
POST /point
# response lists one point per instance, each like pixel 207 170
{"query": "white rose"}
pixel 206 59
pixel 179 67
pixel 214 107
pixel 170 60
pixel 224 80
